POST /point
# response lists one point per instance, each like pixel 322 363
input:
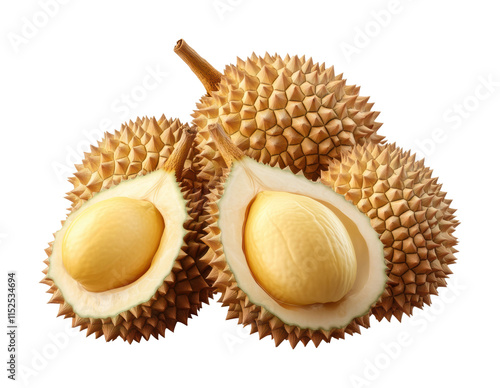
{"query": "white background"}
pixel 423 63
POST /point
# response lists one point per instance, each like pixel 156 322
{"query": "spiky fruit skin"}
pixel 286 111
pixel 238 302
pixel 137 149
pixel 412 216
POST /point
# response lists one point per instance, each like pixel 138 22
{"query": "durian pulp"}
pixel 298 249
pixel 112 243
pixel 162 191
pixel 246 179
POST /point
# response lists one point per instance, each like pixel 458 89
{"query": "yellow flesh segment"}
pixel 298 250
pixel 112 243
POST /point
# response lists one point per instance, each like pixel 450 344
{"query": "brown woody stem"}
pixel 206 73
pixel 228 150
pixel 177 159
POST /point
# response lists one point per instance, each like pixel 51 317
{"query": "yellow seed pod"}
pixel 112 243
pixel 298 249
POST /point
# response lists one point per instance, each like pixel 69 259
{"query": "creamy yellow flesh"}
pixel 298 249
pixel 112 243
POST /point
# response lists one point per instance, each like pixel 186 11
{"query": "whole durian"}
pixel 412 216
pixel 288 111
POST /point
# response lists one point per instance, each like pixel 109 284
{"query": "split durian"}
pixel 286 111
pixel 291 257
pixel 125 263
pixel 410 213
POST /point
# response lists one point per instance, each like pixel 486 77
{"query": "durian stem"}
pixel 206 73
pixel 228 150
pixel 177 159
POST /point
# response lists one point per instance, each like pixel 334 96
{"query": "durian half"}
pixel 125 262
pixel 292 258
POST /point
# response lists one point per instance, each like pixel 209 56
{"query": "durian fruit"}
pixel 286 111
pixel 290 257
pixel 131 189
pixel 411 215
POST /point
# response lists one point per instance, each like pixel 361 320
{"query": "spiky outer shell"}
pixel 137 149
pixel 238 302
pixel 412 216
pixel 286 111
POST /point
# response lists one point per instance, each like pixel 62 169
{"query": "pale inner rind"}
pixel 159 188
pixel 246 179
